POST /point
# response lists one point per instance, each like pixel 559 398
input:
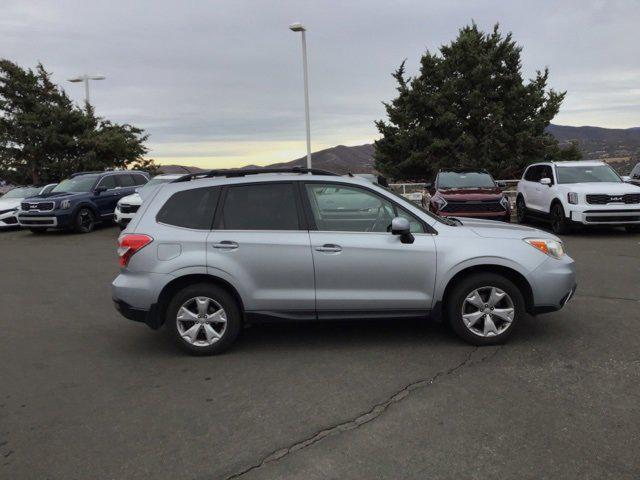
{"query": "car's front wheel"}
pixel 559 223
pixel 521 210
pixel 204 319
pixel 484 308
pixel 84 221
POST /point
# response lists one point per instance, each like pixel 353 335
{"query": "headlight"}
pixel 2 212
pixel 553 248
pixel 572 197
pixel 64 204
pixel 504 201
pixel 440 202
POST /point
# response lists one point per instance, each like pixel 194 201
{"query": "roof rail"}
pixel 85 173
pixel 241 172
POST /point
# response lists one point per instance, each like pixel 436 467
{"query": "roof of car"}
pixel 571 163
pixel 106 172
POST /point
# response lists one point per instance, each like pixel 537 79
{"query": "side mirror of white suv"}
pixel 545 181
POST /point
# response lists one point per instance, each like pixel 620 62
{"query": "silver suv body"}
pixel 209 252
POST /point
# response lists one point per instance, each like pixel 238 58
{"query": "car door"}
pixel 260 244
pixel 106 200
pixel 546 193
pixel 532 187
pixel 360 268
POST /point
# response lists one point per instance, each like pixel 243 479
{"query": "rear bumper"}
pixel 149 317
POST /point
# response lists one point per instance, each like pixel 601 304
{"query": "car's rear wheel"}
pixel 559 222
pixel 521 210
pixel 84 221
pixel 484 308
pixel 204 319
pixel 632 228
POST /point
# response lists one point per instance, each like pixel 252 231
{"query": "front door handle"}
pixel 329 248
pixel 225 245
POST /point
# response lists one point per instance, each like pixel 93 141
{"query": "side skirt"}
pixel 310 315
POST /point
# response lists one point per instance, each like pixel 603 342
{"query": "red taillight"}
pixel 129 244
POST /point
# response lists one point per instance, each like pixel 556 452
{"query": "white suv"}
pixel 580 192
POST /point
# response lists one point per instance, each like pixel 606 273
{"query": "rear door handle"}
pixel 329 248
pixel 225 245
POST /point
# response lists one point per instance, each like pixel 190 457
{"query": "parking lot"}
pixel 87 394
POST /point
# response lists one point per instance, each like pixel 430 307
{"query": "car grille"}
pixel 473 206
pixel 613 219
pixel 602 199
pixel 129 208
pixel 37 206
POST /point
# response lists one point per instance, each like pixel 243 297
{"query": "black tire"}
pixel 559 223
pixel 632 228
pixel 521 210
pixel 220 296
pixel 84 221
pixel 38 230
pixel 483 282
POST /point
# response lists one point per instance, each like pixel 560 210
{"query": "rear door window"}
pixel 193 208
pixel 265 206
pixel 125 181
pixel 108 182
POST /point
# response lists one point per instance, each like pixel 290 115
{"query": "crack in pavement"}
pixel 606 297
pixel 372 414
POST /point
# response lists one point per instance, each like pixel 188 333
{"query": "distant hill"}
pixel 621 147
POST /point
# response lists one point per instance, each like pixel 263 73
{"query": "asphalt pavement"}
pixel 86 394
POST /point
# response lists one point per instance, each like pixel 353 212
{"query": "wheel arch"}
pixel 510 273
pixel 183 281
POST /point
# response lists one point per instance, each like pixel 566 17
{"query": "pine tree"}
pixel 44 137
pixel 469 108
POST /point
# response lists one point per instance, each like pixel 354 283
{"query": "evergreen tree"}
pixel 469 108
pixel 44 137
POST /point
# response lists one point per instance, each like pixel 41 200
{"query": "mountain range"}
pixel 621 147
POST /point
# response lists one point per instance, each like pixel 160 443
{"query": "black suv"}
pixel 81 201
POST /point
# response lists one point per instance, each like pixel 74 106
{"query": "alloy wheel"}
pixel 201 321
pixel 488 311
pixel 86 220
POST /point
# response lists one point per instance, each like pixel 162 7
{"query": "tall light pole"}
pixel 85 78
pixel 298 27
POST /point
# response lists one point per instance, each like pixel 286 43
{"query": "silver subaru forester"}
pixel 209 252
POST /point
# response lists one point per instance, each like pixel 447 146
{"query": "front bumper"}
pixel 30 220
pixel 122 218
pixel 553 284
pixel 9 220
pixel 605 214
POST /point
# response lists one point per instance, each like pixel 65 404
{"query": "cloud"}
pixel 218 75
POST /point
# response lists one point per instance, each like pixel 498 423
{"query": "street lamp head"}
pixel 297 27
pixel 76 79
pixel 97 77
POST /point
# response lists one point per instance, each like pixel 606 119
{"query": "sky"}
pixel 218 83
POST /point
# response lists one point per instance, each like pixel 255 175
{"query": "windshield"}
pixel 586 174
pixel 465 180
pixel 78 184
pixel 155 181
pixel 22 192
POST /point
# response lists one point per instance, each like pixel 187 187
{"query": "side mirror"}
pixel 400 226
pixel 501 184
pixel 545 181
pixel 626 178
pixel 99 190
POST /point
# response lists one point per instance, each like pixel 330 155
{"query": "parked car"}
pixel 80 202
pixel 127 206
pixel 468 193
pixel 10 203
pixel 211 251
pixel 577 193
pixel 634 176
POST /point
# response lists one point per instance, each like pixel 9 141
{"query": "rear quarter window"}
pixel 190 208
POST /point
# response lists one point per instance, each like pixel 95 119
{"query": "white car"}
pixel 10 203
pixel 129 205
pixel 584 192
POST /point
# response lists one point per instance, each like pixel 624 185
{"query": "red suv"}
pixel 468 193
